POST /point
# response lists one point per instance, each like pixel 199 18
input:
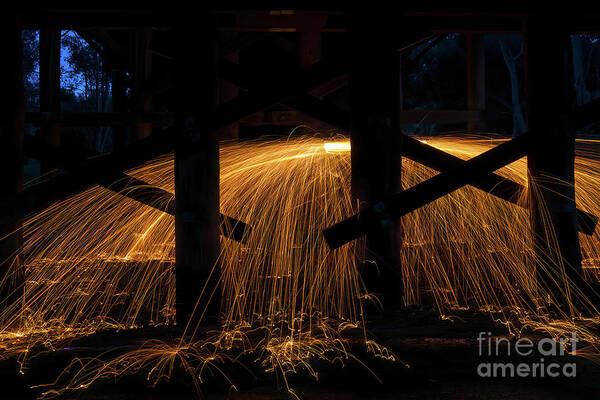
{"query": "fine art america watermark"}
pixel 539 360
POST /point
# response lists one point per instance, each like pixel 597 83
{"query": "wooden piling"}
pixel 227 91
pixel 310 39
pixel 196 173
pixel 142 72
pixel 475 57
pixel 11 155
pixel 551 160
pixel 376 153
pixel 50 85
pixel 119 102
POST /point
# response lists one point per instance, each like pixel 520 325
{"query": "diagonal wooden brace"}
pixel 380 214
pixel 494 184
pixel 96 170
pixel 434 158
pixel 126 185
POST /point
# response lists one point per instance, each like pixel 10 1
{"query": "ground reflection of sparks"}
pixel 99 260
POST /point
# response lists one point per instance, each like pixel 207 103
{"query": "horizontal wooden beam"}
pixel 440 20
pixel 100 19
pixel 99 118
pixel 381 214
pixel 442 117
pixel 290 21
pixel 279 118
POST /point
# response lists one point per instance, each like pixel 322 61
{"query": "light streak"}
pixel 336 146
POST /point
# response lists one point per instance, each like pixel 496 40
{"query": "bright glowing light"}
pixel 331 147
pixel 423 141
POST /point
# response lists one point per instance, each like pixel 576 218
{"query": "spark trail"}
pixel 100 260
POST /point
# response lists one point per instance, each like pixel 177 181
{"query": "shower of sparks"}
pixel 100 260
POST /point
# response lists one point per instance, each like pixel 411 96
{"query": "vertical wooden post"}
pixel 142 76
pixel 11 154
pixel 228 91
pixel 50 84
pixel 400 97
pixel 551 160
pixel 196 175
pixel 376 147
pixel 475 54
pixel 119 101
pixel 310 39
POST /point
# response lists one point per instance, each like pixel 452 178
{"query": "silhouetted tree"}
pixel 582 53
pixel 31 64
pixel 85 74
pixel 85 80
